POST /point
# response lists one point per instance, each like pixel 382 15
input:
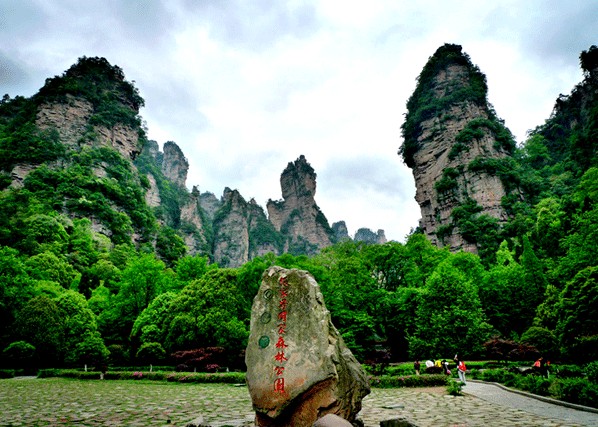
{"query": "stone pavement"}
pixel 53 402
pixel 432 407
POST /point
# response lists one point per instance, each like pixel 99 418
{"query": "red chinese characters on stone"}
pixel 279 385
pixel 281 345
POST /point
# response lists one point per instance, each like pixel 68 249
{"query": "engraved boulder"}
pixel 298 367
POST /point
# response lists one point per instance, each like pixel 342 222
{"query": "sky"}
pixel 245 87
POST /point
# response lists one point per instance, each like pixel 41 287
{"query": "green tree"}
pixel 41 324
pixel 449 317
pixel 82 341
pixel 191 268
pixel 170 247
pixel 142 280
pixel 151 353
pixel 577 326
pixel 15 289
pixel 151 325
pixel 208 313
pixel 90 349
pixel 19 354
pixel 510 292
pixel 544 340
pixel 48 266
pixel 44 233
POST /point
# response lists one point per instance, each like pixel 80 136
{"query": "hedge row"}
pixel 389 381
pixel 567 388
pixel 182 377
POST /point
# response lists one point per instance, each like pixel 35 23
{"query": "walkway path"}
pixel 546 407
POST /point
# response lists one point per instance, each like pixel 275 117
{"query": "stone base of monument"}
pixel 298 366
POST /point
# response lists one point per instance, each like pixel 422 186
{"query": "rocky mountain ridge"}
pixel 86 122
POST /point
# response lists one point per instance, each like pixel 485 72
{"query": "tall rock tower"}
pixel 456 146
pixel 297 216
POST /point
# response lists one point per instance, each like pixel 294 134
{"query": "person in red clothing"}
pixel 461 368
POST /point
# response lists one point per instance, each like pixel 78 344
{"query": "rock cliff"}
pixel 84 128
pixel 452 140
pixel 174 164
pixel 297 216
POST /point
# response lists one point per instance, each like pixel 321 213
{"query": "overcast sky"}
pixel 244 87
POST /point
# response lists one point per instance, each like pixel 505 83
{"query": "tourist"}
pixel 416 366
pixel 461 368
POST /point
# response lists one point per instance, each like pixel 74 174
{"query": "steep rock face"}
pixel 174 164
pixel 231 231
pixel 195 239
pixel 72 121
pixel 451 137
pixel 263 238
pixel 298 216
pixel 152 196
pixel 210 204
pixel 340 231
pixel 368 236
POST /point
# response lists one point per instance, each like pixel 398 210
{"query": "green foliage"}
pixel 18 354
pixel 449 317
pixel 7 373
pixel 575 390
pixel 477 129
pixel 448 181
pixel 543 340
pixel 454 388
pixel 113 98
pixel 388 381
pixel 578 317
pixel 40 323
pixel 170 247
pixel 208 313
pixel 151 352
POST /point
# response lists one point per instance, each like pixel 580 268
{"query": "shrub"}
pixel 454 388
pixel 569 371
pixel 48 373
pixel 151 352
pixel 533 383
pixel 403 369
pixel 197 377
pixel 575 390
pixel 495 375
pixel 591 370
pixel 387 381
pixel 19 354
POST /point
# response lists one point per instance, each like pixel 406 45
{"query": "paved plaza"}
pixel 60 402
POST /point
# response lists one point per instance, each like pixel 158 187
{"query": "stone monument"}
pixel 298 367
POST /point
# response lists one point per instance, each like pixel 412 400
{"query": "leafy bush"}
pixel 48 373
pixel 388 381
pixel 495 375
pixel 575 390
pixel 533 383
pixel 591 370
pixel 19 353
pixel 568 371
pixel 454 388
pixel 196 377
